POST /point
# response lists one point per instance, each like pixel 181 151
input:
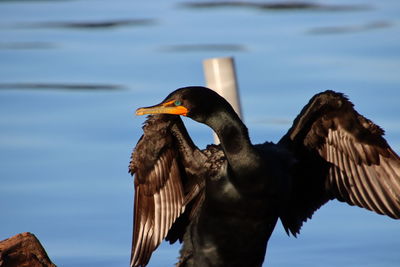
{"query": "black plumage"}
pixel 223 202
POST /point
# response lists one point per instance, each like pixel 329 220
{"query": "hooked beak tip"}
pixel 139 112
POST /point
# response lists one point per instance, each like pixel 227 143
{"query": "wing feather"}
pixel 159 193
pixel 371 180
pixel 341 155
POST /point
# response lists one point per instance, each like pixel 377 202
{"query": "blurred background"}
pixel 73 72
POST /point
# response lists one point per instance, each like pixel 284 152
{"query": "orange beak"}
pixel 163 108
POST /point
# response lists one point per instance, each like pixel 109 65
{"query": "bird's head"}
pixel 197 103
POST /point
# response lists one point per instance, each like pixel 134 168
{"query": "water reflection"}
pixel 278 5
pixel 351 28
pixel 30 1
pixel 205 47
pixel 103 24
pixel 60 86
pixel 27 45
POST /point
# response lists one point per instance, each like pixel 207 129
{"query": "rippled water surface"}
pixel 73 72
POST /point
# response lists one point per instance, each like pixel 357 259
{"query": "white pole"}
pixel 220 76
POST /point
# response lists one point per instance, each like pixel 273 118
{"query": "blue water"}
pixel 68 94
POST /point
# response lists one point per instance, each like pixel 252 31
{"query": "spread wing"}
pixel 162 183
pixel 341 155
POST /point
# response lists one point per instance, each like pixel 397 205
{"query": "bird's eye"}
pixel 177 103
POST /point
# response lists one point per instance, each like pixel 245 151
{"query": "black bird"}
pixel 223 202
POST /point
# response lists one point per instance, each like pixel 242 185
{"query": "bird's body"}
pixel 249 208
pixel 223 202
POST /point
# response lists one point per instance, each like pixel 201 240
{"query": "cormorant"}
pixel 223 202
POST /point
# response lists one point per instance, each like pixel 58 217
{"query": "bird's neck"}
pixel 235 141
